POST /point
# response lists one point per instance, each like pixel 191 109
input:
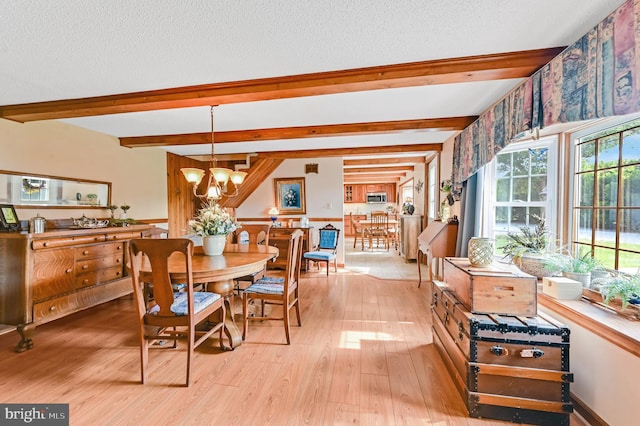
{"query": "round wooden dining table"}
pixel 218 272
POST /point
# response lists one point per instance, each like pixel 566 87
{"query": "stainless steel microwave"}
pixel 376 197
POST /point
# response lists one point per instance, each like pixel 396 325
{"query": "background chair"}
pixel 326 250
pixel 392 231
pixel 378 229
pixel 358 231
pixel 257 234
pixel 277 290
pixel 160 318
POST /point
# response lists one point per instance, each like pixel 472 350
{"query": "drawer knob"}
pixel 85 266
pixel 45 244
pixel 68 271
pixel 118 260
pixel 119 248
pixel 52 308
pixel 85 281
pixel 118 274
pixel 499 350
pixel 85 252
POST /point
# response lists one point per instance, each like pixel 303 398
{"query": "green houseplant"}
pixel 621 286
pixel 575 266
pixel 528 248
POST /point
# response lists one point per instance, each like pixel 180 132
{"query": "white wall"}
pixel 138 176
pixel 446 168
pixel 606 376
pixel 324 195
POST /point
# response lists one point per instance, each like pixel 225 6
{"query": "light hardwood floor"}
pixel 363 355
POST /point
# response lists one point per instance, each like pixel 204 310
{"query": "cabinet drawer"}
pixel 54 308
pixel 53 273
pixel 124 236
pixel 66 242
pixel 97 277
pixel 99 250
pixel 91 265
pixel 81 299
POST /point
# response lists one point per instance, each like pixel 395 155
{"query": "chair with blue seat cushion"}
pixel 255 234
pixel 277 290
pixel 170 315
pixel 326 249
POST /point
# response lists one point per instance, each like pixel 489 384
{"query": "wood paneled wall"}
pixel 181 203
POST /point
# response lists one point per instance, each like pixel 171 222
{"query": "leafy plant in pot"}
pixel 577 267
pixel 528 248
pixel 621 286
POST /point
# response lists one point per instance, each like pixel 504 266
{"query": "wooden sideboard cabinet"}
pixel 50 275
pixel 279 237
pixel 410 228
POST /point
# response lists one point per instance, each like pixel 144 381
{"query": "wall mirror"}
pixel 25 190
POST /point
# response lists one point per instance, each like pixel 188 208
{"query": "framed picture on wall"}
pixel 8 217
pixel 290 196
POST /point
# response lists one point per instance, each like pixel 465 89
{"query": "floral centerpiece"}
pixel 213 224
pixel 212 220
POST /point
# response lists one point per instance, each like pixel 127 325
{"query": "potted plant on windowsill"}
pixel 577 267
pixel 528 248
pixel 620 286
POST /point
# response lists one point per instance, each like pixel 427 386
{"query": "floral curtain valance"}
pixel 597 76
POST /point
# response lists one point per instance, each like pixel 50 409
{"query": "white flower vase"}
pixel 213 245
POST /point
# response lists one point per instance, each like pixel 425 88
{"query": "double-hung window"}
pixel 521 186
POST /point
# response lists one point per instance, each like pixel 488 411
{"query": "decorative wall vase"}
pixel 480 251
pixel 213 245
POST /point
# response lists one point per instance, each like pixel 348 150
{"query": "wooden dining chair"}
pixel 256 234
pixel 358 231
pixel 326 250
pixel 171 315
pixel 378 229
pixel 277 290
pixel 392 231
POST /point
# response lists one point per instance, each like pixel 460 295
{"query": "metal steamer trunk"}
pixel 506 367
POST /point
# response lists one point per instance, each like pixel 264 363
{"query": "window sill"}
pixel 619 330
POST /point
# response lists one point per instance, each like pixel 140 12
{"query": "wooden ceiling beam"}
pixel 380 179
pixel 303 132
pixel 377 169
pixel 347 152
pixel 382 161
pixel 440 71
pixel 375 174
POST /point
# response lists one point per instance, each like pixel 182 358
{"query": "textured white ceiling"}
pixel 79 48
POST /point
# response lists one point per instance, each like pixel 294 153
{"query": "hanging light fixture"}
pixel 219 177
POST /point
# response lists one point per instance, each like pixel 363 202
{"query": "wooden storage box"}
pixel 562 288
pixel 510 368
pixel 491 289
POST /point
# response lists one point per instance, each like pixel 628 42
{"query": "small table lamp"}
pixel 273 212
